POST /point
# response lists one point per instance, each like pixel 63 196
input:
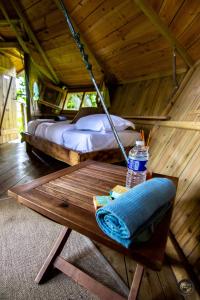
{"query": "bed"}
pixel 65 142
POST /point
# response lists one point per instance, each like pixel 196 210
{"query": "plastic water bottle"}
pixel 137 164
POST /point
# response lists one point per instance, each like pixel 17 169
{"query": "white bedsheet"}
pixel 89 141
pixel 32 125
pixel 65 134
pixel 55 132
pixel 42 128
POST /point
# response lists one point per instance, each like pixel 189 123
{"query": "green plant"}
pixel 20 89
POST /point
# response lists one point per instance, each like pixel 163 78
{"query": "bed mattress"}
pixel 65 134
pixel 89 141
pixel 32 125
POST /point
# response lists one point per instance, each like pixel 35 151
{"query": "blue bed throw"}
pixel 130 217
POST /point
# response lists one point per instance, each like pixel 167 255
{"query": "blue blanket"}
pixel 133 213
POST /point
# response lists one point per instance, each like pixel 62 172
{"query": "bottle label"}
pixel 137 165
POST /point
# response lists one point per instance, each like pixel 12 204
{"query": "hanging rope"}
pixel 88 65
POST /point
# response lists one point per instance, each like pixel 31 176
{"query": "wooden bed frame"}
pixel 69 156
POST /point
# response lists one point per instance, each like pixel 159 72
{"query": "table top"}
pixel 66 197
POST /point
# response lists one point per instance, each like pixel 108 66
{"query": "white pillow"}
pixel 100 122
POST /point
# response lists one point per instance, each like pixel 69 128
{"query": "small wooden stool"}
pixel 66 197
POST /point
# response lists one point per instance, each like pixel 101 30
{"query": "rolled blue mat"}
pixel 130 217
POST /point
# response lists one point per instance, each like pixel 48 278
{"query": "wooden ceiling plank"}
pixel 10 54
pixel 23 44
pixel 164 30
pixel 14 28
pixel 33 37
pixel 98 64
pixel 169 10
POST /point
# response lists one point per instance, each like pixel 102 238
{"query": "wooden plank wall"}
pixel 149 97
pixel 173 151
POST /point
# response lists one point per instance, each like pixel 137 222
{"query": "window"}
pixel 73 101
pixel 82 99
pixel 90 99
pixel 36 91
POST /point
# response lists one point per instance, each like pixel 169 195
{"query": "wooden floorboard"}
pixel 16 167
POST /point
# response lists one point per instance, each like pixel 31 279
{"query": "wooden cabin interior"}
pixel 145 58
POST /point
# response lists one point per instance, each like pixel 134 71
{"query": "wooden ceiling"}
pixel 122 40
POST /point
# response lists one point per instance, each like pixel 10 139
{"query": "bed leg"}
pixel 28 148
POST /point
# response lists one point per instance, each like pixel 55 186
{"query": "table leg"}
pixel 137 278
pixel 54 253
pixel 54 260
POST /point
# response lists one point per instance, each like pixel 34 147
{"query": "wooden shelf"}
pixel 160 118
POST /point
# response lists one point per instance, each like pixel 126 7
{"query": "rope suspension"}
pixel 76 37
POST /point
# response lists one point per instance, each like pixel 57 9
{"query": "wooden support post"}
pixel 147 9
pixel 33 37
pixel 27 83
pixel 5 104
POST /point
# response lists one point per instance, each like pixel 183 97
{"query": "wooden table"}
pixel 66 197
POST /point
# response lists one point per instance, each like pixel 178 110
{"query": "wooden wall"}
pixel 173 151
pixel 148 97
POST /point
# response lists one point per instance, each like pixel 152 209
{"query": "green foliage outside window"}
pixel 20 89
pixel 74 100
pixel 36 91
pixel 90 100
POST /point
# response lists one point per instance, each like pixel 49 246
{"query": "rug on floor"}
pixel 26 239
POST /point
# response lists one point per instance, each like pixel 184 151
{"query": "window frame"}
pixel 80 90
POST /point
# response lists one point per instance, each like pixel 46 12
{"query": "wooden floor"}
pixel 16 167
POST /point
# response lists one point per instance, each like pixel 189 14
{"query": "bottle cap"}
pixel 139 143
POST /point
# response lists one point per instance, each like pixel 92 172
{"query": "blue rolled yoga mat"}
pixel 130 217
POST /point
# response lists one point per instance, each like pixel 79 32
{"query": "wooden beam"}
pixel 160 118
pixel 154 76
pixel 187 125
pixel 33 37
pixel 10 54
pixel 25 46
pixel 147 9
pixel 27 84
pixel 7 45
pixel 5 23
